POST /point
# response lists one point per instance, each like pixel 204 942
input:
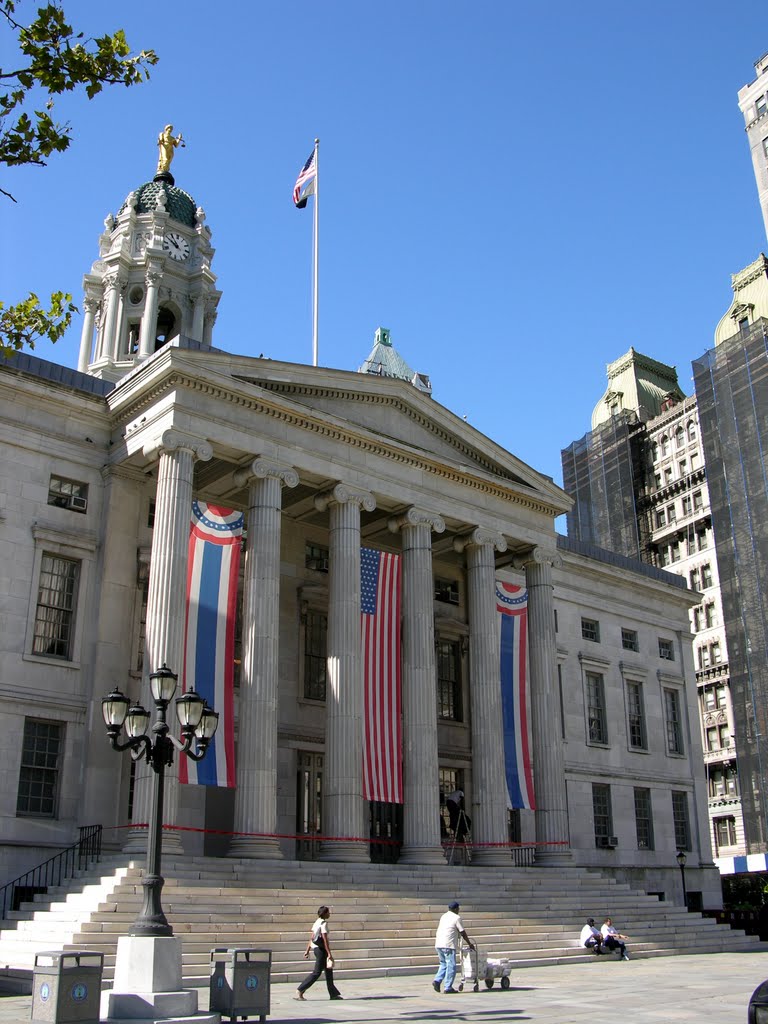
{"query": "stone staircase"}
pixel 383 919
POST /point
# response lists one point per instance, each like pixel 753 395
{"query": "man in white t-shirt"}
pixel 590 936
pixel 449 928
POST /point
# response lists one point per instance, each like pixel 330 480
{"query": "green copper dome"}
pixel 179 204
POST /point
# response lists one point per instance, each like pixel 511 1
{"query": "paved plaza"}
pixel 668 990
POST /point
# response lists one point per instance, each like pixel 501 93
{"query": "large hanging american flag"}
pixel 380 625
pixel 512 606
pixel 215 540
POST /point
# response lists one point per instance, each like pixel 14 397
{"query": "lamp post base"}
pixel 148 984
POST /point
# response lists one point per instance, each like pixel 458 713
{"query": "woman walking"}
pixel 320 945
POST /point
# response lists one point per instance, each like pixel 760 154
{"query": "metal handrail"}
pixel 54 870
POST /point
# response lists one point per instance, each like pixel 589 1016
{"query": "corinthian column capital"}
pixel 416 517
pixel 538 556
pixel 478 537
pixel 174 440
pixel 261 469
pixel 344 494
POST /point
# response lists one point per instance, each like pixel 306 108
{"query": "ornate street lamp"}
pixel 198 722
pixel 681 859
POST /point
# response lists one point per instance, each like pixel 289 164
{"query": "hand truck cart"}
pixel 474 967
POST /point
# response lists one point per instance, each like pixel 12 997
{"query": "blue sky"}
pixel 518 191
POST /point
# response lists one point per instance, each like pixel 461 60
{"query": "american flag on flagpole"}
pixel 303 189
pixel 215 540
pixel 380 625
pixel 512 606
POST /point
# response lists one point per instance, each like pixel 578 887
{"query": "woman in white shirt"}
pixel 320 945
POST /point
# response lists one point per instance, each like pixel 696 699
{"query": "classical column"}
pixel 111 284
pixel 148 335
pixel 421 821
pixel 210 321
pixel 166 601
pixel 256 794
pixel 548 756
pixel 489 791
pixel 90 305
pixel 343 805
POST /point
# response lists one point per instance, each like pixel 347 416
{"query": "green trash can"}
pixel 67 986
pixel 240 982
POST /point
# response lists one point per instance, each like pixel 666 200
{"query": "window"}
pixel 679 437
pixel 706 576
pixel 316 557
pixel 687 505
pixel 315 655
pixel 725 832
pixel 664 445
pixel 666 649
pixel 673 722
pixel 761 105
pixel 702 539
pixel 765 146
pixel 697 620
pixel 671 514
pixel 691 430
pixel 56 601
pixel 629 640
pixel 668 475
pixel 703 657
pixel 68 494
pixel 711 738
pixel 682 468
pixel 141 639
pixel 151 515
pixel 714 653
pixel 449 680
pixel 674 551
pixel 661 518
pixel 694 579
pixel 694 460
pixel 636 716
pixel 590 630
pixel 680 818
pixel 40 769
pixel 447 591
pixel 721 697
pixel 698 501
pixel 601 813
pixel 597 727
pixel 724 736
pixel 657 480
pixel 643 819
pixel 708 696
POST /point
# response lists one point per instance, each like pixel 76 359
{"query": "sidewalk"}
pixel 668 990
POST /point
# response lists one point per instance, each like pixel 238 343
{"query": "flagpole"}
pixel 315 318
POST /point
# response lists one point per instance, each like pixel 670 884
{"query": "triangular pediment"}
pixel 363 410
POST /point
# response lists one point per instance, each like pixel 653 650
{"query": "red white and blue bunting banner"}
pixel 380 625
pixel 215 541
pixel 512 606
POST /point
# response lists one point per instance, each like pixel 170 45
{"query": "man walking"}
pixel 449 929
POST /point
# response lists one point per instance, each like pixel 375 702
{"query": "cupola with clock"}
pixel 152 281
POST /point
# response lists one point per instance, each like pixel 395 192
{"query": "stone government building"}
pixel 99 469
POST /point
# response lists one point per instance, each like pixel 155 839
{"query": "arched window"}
pixel 691 430
pixel 664 445
pixel 166 327
pixel 679 437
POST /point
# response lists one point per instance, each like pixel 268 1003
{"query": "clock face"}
pixel 176 246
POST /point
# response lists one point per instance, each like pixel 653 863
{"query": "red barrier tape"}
pixel 333 839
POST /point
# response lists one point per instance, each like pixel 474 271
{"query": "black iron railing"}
pixel 54 871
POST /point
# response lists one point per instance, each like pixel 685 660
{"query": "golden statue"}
pixel 166 144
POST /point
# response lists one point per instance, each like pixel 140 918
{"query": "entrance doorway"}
pixel 309 803
pixel 386 825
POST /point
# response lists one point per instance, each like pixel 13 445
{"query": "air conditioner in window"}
pixel 78 503
pixel 608 842
pixel 318 564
